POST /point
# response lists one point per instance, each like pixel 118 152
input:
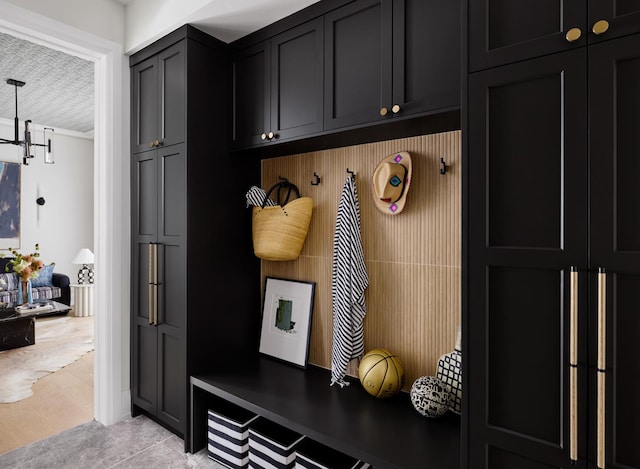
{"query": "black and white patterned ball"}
pixel 429 396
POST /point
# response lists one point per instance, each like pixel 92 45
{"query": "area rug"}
pixel 59 342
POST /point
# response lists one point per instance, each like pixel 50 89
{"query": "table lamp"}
pixel 84 257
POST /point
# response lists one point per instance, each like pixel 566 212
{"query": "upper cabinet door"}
pixel 251 111
pixel 358 48
pixel 503 31
pixel 296 81
pixel 426 56
pixel 622 18
pixel 172 95
pixel 158 99
pixel 144 81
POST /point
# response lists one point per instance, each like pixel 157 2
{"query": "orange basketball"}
pixel 381 373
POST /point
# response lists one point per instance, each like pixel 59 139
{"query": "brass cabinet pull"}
pixel 395 109
pixel 383 111
pixel 601 366
pixel 271 135
pixel 573 34
pixel 600 27
pixel 150 292
pixel 573 364
pixel 155 284
pixel 263 136
pixel 151 144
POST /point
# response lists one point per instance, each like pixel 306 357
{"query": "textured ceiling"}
pixel 59 90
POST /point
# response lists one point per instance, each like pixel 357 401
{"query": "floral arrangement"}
pixel 26 266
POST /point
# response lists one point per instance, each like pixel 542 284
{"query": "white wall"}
pixel 94 30
pixel 64 224
pixel 104 18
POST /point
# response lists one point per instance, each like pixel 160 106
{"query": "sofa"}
pixel 49 285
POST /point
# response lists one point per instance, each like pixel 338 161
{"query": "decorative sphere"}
pixel 429 396
pixel 381 373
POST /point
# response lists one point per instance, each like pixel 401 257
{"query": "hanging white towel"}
pixel 349 281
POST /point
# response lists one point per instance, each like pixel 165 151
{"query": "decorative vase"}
pixel 24 292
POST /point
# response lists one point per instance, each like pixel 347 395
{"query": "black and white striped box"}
pixel 272 446
pixel 313 455
pixel 228 436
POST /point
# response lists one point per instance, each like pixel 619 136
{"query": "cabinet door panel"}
pixel 172 95
pixel 504 31
pixel 146 195
pixel 623 17
pixel 172 196
pixel 173 286
pixel 296 83
pixel 517 204
pixel 623 371
pixel 358 50
pixel 524 353
pixel 426 55
pixel 144 386
pixel 251 94
pixel 527 226
pixel 144 84
pixel 615 172
pixel 172 379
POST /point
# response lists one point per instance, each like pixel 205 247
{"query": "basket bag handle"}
pixel 282 185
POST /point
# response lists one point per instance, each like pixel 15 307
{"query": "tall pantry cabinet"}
pixel 190 304
pixel 552 226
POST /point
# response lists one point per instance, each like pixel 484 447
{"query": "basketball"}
pixel 381 373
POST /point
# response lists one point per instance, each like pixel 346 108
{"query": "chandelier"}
pixel 27 144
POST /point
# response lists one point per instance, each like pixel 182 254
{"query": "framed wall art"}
pixel 286 320
pixel 9 205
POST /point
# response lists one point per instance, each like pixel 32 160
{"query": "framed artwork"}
pixel 286 320
pixel 9 205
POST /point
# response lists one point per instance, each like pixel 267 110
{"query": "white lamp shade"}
pixel 85 256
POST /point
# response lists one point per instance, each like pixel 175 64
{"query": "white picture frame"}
pixel 286 320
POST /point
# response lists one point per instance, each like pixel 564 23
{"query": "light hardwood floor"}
pixel 60 401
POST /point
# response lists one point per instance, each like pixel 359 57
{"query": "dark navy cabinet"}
pixel 277 87
pixel 183 231
pixel 390 59
pixel 503 32
pixel 552 251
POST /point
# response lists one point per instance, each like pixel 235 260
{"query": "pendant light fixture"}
pixel 27 144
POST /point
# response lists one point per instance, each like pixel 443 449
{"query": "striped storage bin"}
pixel 313 455
pixel 228 435
pixel 272 446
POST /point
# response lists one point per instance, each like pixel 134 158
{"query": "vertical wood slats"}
pixel 413 258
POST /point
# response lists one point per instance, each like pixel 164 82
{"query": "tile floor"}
pixel 132 443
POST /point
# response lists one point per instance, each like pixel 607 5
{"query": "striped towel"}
pixel 255 196
pixel 349 281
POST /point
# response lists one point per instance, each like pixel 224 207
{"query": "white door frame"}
pixel 112 397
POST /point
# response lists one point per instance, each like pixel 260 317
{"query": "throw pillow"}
pixel 44 278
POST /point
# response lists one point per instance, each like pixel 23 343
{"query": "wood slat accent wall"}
pixel 413 258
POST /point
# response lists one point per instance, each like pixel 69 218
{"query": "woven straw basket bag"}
pixel 279 231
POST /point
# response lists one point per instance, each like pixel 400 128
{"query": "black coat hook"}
pixel 351 172
pixel 283 179
pixel 40 201
pixel 443 166
pixel 317 181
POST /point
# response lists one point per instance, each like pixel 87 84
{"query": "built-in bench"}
pixel 386 433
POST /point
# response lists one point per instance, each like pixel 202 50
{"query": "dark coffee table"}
pixel 17 329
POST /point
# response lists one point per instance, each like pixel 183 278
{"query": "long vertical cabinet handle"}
pixel 150 290
pixel 573 364
pixel 602 365
pixel 155 284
